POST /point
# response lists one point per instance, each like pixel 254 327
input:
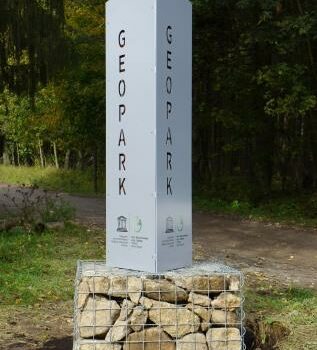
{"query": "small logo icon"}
pixel 137 225
pixel 180 225
pixel 169 225
pixel 122 224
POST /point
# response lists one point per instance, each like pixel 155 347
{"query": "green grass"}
pixel 41 267
pixel 293 308
pixel 69 181
pixel 297 210
pixel 275 303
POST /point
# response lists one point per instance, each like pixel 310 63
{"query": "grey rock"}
pixel 138 318
pixel 118 331
pixel 135 287
pixel 82 293
pixel 221 317
pixel 195 341
pixel 146 303
pixel 201 284
pixel 163 290
pixel 204 314
pixel 100 346
pixel 96 285
pixel 234 283
pixel 149 339
pixel 226 300
pixel 175 320
pixel 224 339
pixel 127 307
pixel 199 299
pixel 97 316
pixel 118 286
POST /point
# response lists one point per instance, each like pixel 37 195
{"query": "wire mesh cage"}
pixel 196 308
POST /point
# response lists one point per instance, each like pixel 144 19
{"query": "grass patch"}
pixel 293 308
pixel 298 210
pixel 34 268
pixel 298 304
pixel 69 181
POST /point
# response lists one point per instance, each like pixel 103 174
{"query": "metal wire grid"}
pixel 167 329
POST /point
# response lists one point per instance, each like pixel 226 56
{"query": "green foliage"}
pixel 66 113
pixel 255 94
pixel 24 125
pixel 286 93
pixel 57 209
pixel 82 88
pixel 32 43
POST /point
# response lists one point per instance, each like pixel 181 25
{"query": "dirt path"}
pixel 289 255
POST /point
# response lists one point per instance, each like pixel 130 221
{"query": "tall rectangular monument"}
pixel 148 177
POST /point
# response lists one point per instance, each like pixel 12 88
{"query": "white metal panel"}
pixel 132 246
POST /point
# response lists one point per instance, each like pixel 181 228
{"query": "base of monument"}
pixel 198 308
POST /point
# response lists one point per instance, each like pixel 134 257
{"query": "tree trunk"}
pixel 67 159
pixel 5 153
pixel 55 155
pixel 79 165
pixel 2 142
pixel 41 153
pixel 6 158
pixel 18 154
pixel 96 171
pixel 12 148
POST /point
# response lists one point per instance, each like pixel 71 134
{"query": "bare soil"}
pixel 283 255
pixel 287 254
pixel 42 327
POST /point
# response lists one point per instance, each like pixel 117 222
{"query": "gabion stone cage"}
pixel 197 308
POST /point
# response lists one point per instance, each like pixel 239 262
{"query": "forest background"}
pixel 254 98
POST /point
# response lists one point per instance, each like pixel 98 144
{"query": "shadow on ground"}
pixel 58 344
pixel 53 344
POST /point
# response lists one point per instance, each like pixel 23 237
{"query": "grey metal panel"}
pixel 174 243
pixel 131 249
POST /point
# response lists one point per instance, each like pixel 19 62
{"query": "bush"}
pixel 32 208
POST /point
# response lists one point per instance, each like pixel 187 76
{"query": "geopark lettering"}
pixel 122 111
pixel 169 111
